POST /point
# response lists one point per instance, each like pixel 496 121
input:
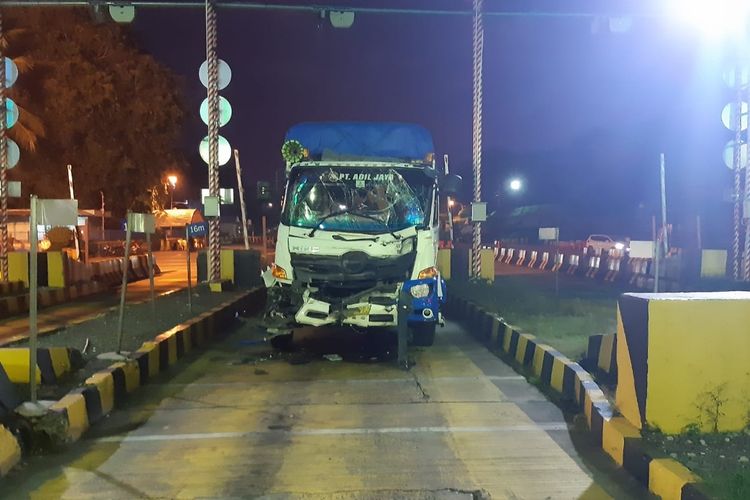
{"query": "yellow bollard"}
pixel 18 267
pixel 487 256
pixel 444 262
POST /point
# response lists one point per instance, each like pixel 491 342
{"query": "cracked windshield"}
pixel 366 199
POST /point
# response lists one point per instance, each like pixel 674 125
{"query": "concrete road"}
pixel 173 277
pixel 241 420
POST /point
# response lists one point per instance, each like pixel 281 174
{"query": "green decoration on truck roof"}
pixel 292 151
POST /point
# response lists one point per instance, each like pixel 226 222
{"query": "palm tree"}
pixel 29 128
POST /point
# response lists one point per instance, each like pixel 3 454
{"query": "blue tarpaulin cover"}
pixel 403 141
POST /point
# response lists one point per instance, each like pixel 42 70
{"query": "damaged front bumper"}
pixel 290 305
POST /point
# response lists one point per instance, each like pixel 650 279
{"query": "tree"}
pixel 110 110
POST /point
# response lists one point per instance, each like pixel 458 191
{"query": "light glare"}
pixel 716 19
pixel 515 185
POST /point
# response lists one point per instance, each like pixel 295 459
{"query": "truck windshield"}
pixel 358 199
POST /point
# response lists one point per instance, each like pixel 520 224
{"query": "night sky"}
pixel 581 117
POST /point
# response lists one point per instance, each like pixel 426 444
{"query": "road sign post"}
pixel 33 287
pixel 151 274
pixel 53 213
pixel 241 193
pixel 124 284
pixel 553 234
pixel 72 197
pixel 189 277
pixel 135 223
pixel 264 240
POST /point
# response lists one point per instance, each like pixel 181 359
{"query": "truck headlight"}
pixel 428 272
pixel 278 272
pixel 420 291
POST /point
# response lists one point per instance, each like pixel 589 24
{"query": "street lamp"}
pixel 515 185
pixel 172 179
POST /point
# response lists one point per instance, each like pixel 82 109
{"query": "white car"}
pixel 599 244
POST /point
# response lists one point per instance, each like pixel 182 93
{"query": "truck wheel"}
pixel 423 335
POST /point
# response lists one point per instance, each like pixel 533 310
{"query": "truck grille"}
pixel 351 271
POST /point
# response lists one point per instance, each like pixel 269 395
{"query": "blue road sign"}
pixel 197 229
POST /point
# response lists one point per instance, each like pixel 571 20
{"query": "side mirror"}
pixel 450 184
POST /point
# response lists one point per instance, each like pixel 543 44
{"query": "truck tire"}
pixel 423 335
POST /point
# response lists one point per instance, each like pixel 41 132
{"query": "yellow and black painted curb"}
pixel 107 389
pixel 618 438
pixel 601 356
pixel 12 288
pixel 19 304
pixel 10 451
pixel 53 363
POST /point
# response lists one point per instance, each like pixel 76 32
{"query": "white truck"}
pixel 358 239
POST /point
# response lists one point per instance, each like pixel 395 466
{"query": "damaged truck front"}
pixel 358 236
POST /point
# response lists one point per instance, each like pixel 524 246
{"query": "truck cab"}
pixel 359 231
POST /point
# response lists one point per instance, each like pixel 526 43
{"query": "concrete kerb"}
pixel 109 388
pixel 10 451
pixel 571 382
pixel 53 363
pixel 13 306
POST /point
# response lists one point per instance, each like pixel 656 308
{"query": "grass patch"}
pixel 722 460
pixel 529 302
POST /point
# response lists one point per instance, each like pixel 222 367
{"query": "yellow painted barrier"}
pixel 713 263
pixel 78 420
pixel 15 361
pixel 679 355
pixel 10 451
pixel 614 432
pixel 227 265
pixel 152 348
pixel 558 370
pixel 444 262
pixel 18 267
pixel 105 384
pixel 666 477
pixel 487 256
pixel 55 269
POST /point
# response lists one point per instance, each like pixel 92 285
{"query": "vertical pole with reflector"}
pixel 3 168
pixel 241 192
pixel 72 197
pixel 478 47
pixel 33 263
pixel 746 198
pixel 214 249
pixel 737 167
pixel 124 285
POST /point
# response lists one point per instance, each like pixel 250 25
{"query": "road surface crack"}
pixel 425 396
